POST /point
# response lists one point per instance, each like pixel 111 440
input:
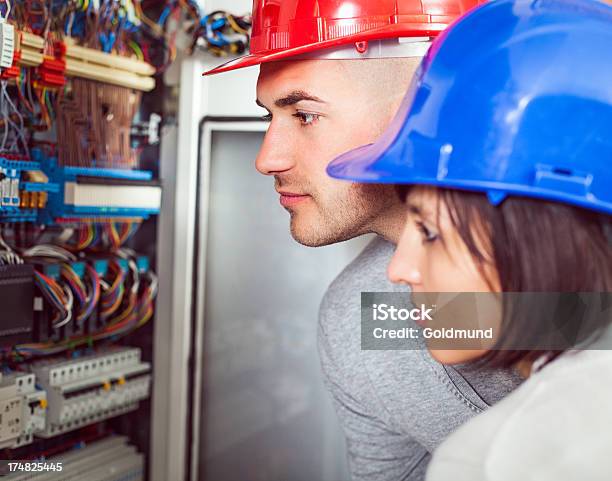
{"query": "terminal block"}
pixel 89 389
pixel 22 409
pixel 91 192
pixel 24 189
pixel 41 191
pixel 110 459
pixel 7 44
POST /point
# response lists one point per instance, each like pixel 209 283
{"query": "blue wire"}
pixel 164 16
pixel 219 24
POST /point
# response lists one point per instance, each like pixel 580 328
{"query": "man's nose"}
pixel 275 155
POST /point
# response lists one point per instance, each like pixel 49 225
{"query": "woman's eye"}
pixel 306 118
pixel 428 235
pixel 267 117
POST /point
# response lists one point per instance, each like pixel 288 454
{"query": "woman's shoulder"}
pixel 546 429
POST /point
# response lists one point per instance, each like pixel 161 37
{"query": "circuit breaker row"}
pixel 60 395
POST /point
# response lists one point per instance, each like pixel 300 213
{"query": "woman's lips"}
pixel 289 199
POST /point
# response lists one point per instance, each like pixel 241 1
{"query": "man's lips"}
pixel 288 199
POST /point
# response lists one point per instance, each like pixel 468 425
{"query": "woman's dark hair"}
pixel 536 246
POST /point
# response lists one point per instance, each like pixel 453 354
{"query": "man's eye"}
pixel 267 117
pixel 428 235
pixel 306 118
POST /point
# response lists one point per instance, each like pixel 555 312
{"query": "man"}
pixel 332 76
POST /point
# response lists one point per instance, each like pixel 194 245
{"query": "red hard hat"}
pixel 286 28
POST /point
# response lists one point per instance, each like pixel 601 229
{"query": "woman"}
pixel 503 147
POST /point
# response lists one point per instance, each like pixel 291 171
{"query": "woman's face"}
pixel 431 257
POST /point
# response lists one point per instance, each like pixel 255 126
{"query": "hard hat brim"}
pixel 371 164
pixel 389 31
pixel 362 165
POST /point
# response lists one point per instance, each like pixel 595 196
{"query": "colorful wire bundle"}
pixel 222 33
pixel 130 300
pixel 112 294
pixel 59 298
pixel 152 31
pixel 106 236
pixel 93 293
pixel 119 233
pixel 85 236
pixel 75 283
pixel 139 314
pixel 87 296
pixel 129 27
pixel 129 320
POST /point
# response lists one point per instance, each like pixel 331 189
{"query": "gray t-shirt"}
pixel 395 406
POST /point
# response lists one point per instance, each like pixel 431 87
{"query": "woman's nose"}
pixel 403 267
pixel 401 271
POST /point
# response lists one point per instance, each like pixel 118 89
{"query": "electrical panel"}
pixel 80 109
pixel 81 105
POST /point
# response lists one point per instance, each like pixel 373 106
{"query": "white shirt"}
pixel 557 426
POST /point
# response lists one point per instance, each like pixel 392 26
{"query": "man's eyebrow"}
pixel 291 99
pixel 295 97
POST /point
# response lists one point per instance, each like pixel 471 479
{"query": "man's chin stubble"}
pixel 316 236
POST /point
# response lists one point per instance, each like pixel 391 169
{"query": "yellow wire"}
pixel 235 26
pixel 126 312
pixel 113 234
pixel 90 235
pixel 157 30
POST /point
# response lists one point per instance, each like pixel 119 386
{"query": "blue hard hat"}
pixel 515 98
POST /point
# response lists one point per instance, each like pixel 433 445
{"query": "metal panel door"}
pixel 265 413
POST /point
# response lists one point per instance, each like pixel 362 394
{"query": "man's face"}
pixel 318 110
